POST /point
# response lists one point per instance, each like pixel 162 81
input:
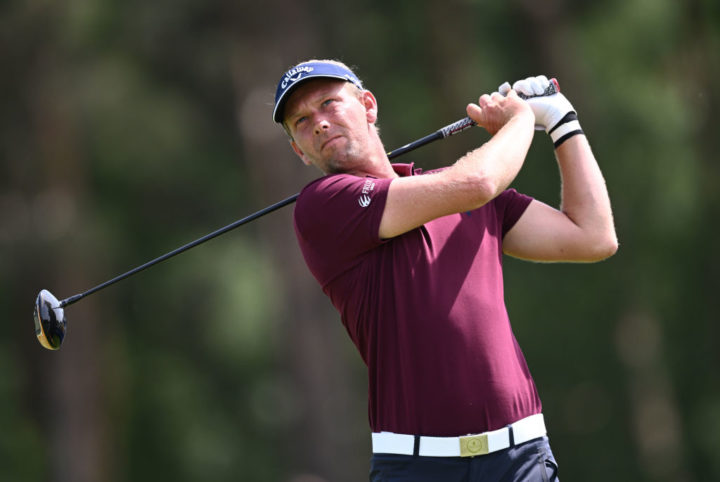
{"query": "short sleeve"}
pixel 510 205
pixel 337 219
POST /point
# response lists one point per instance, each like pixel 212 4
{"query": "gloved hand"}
pixel 553 113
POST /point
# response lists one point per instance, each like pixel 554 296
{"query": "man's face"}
pixel 330 123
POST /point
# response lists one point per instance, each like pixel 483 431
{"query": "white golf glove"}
pixel 553 113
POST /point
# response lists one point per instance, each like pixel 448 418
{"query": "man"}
pixel 412 262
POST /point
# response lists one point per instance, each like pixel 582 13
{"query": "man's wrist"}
pixel 520 118
pixel 568 127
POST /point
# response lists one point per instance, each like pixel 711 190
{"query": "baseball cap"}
pixel 306 71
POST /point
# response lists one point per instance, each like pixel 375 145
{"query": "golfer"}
pixel 413 263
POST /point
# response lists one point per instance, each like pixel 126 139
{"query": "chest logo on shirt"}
pixel 364 199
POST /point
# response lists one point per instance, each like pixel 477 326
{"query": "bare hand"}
pixel 493 111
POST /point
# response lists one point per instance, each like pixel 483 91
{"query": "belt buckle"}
pixel 474 445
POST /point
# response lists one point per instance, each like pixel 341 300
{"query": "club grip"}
pixel 457 127
pixel 466 123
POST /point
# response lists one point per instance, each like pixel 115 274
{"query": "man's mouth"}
pixel 327 142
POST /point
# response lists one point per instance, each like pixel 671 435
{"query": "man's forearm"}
pixel 585 198
pixel 500 159
pixel 473 180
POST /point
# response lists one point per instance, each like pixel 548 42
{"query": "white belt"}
pixel 521 431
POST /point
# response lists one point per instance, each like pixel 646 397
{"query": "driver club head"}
pixel 50 325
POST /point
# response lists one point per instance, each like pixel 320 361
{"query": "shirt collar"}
pixel 403 170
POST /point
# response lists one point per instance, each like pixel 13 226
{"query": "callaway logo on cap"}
pixel 306 71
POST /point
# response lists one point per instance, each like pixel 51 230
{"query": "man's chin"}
pixel 340 166
pixel 334 168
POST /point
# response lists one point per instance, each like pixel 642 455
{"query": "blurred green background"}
pixel 130 128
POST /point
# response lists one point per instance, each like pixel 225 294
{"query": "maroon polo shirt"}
pixel 425 310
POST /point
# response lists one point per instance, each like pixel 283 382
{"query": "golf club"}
pixel 49 313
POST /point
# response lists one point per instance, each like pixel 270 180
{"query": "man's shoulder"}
pixel 319 192
pixel 329 181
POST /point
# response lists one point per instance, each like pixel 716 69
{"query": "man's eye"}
pixel 328 101
pixel 300 121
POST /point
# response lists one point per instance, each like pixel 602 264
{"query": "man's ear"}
pixel 300 153
pixel 371 106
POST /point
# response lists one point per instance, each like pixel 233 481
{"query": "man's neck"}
pixel 380 168
pixel 377 164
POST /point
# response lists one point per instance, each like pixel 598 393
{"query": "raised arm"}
pixel 474 179
pixel 582 229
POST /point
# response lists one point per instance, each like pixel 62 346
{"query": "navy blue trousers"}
pixel 532 461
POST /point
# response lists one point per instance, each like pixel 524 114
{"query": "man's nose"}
pixel 321 125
